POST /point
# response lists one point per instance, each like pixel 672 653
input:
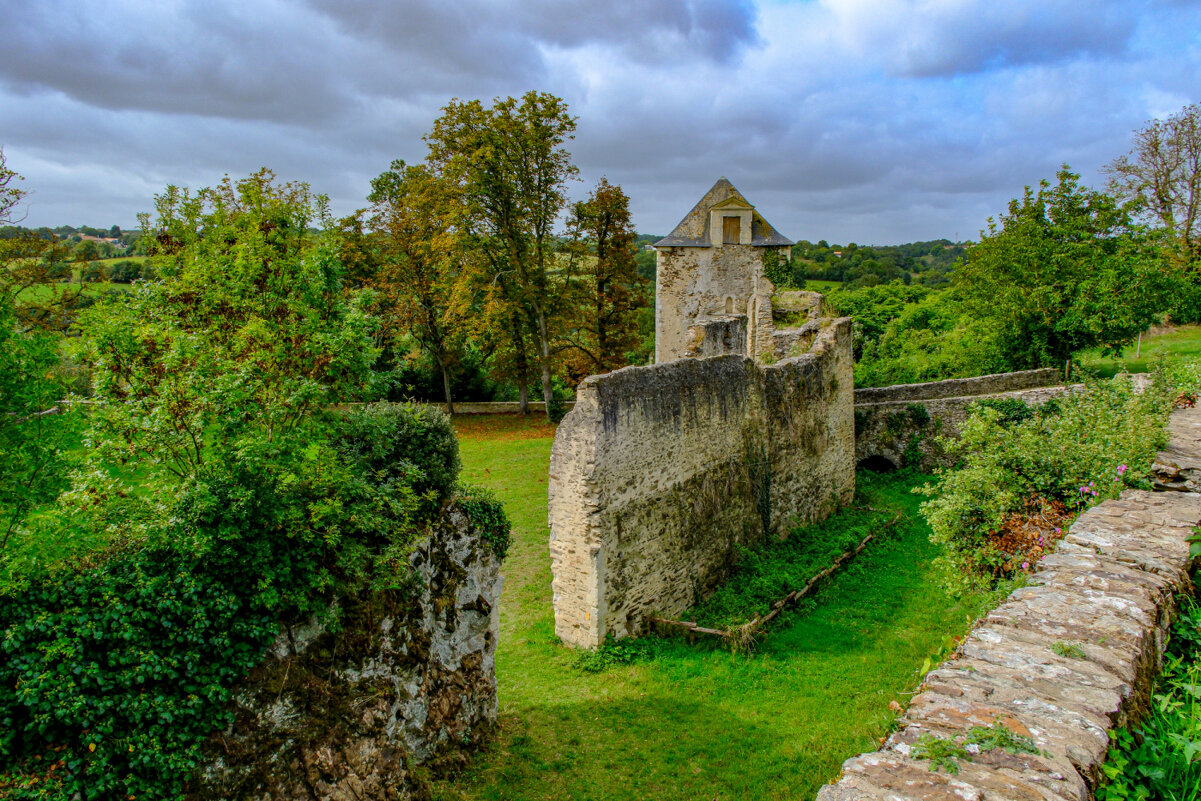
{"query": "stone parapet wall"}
pixel 660 473
pixel 904 432
pixel 1109 590
pixel 1178 466
pixel 408 677
pixel 959 387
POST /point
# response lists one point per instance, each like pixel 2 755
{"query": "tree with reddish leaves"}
pixel 605 327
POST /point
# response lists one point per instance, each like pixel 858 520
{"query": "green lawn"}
pixel 1183 342
pixel 821 286
pixel 695 722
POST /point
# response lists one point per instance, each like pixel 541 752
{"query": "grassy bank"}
pixel 1182 342
pixel 695 722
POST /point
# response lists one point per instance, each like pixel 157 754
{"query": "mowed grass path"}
pixel 695 722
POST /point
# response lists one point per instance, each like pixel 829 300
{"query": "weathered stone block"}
pixel 408 677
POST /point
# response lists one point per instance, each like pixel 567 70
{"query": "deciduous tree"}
pixel 606 324
pixel 510 169
pixel 423 280
pixel 1160 182
pixel 1061 272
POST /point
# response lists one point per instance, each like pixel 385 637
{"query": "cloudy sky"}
pixel 875 121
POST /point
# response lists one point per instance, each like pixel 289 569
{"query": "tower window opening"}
pixel 731 230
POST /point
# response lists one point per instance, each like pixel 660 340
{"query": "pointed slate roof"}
pixel 693 230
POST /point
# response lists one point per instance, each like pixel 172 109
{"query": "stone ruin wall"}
pixel 693 285
pixel 407 679
pixel 901 423
pixel 660 473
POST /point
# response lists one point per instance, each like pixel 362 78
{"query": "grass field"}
pixel 695 722
pixel 1183 342
pixel 821 286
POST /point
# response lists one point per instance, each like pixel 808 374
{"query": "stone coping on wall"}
pixel 961 387
pixel 1110 591
pixel 1178 466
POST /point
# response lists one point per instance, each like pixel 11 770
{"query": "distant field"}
pixel 115 259
pixel 44 292
pixel 821 286
pixel 1182 342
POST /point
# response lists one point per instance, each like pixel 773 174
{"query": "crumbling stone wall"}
pixel 405 677
pixel 899 424
pixel 720 336
pixel 661 472
pixel 694 285
pixel 1110 590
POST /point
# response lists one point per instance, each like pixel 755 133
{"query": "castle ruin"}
pixel 741 430
pixel 712 296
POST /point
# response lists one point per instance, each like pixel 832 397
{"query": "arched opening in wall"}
pixel 729 305
pixel 877 464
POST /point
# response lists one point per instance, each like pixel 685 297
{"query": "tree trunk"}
pixel 548 392
pixel 523 395
pixel 450 406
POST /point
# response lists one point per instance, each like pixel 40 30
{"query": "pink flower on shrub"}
pixel 1025 565
pixel 1121 469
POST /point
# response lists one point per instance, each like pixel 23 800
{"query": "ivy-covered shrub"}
pixel 111 675
pixel 778 269
pixel 1065 457
pixel 223 494
pixel 486 513
pixel 1013 410
pixel 391 440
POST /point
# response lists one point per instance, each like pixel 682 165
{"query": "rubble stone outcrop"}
pixel 406 677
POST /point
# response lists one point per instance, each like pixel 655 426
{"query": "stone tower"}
pixel 711 296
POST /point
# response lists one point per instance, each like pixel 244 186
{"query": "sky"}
pixel 873 121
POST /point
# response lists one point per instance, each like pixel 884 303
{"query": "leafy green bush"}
pixel 1009 410
pixel 125 271
pixel 1159 758
pixel 391 440
pixel 615 653
pixel 1098 442
pixel 487 514
pixel 1185 378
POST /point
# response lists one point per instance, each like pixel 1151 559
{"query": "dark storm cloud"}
pixel 472 37
pixel 865 120
pixel 191 58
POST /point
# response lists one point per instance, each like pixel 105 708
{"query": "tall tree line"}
pixel 478 245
